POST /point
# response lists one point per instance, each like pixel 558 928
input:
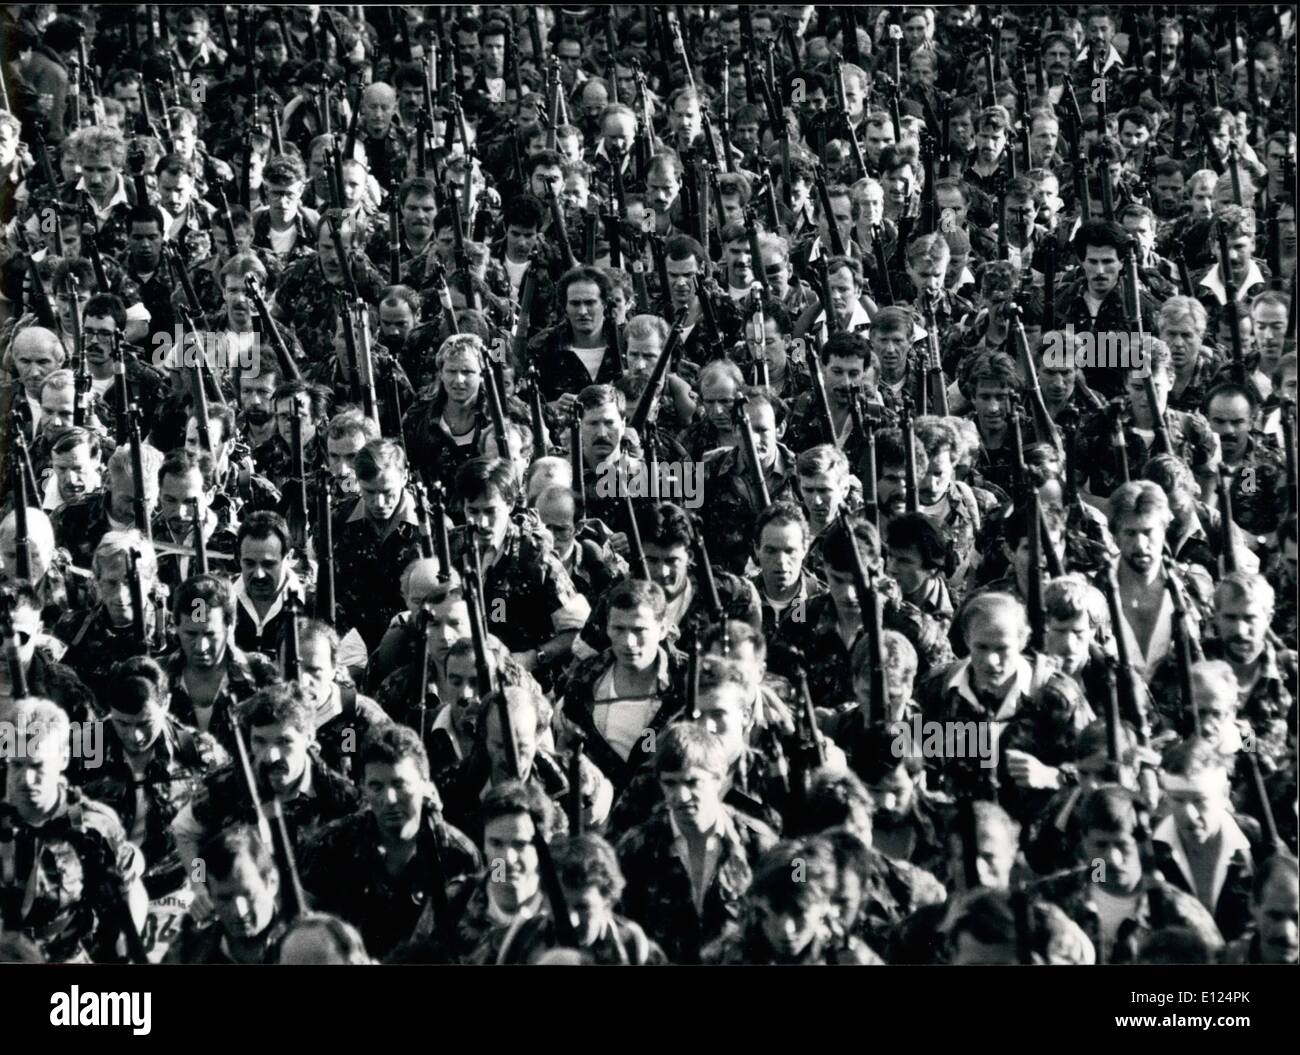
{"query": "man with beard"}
pixel 278 726
pixel 781 540
pixel 825 631
pixel 728 482
pixel 1257 471
pixel 386 142
pixel 666 538
pixel 103 635
pixel 81 524
pixel 1274 906
pixel 582 350
pixel 244 885
pixel 377 866
pixel 256 393
pixel 208 674
pixel 1265 671
pixel 90 873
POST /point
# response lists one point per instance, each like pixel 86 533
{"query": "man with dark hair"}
pixel 582 349
pixel 377 867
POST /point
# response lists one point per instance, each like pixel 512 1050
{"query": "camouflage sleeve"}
pixel 125 861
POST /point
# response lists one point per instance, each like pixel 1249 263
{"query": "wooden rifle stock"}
pixel 740 411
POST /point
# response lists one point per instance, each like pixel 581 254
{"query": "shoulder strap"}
pixel 348 697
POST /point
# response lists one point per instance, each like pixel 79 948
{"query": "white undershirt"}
pixel 591 359
pixel 283 241
pixel 515 272
pixel 621 723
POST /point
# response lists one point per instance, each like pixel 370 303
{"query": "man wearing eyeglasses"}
pixel 285 226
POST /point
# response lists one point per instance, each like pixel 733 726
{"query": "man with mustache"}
pixel 1257 468
pixel 376 866
pixel 279 728
pixel 530 601
pixel 101 156
pixel 188 502
pixel 266 574
pixel 1274 906
pixel 99 636
pixel 417 202
pixel 74 467
pixel 103 316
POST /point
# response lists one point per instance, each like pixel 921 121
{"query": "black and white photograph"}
pixel 649 485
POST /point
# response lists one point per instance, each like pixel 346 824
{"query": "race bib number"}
pixel 163 924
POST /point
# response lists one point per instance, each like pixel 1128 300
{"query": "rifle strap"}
pixel 348 698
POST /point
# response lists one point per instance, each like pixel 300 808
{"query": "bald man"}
pixel 386 143
pixel 585 553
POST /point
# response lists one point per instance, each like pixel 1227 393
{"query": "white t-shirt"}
pixel 591 359
pixel 283 241
pixel 623 721
pixel 515 272
pixel 461 439
pixel 1113 911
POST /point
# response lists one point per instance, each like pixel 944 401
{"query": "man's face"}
pixel 262 566
pixel 584 309
pixel 1168 192
pixel 34 363
pixel 113 587
pixel 57 409
pixel 1119 852
pixel 893 797
pixel 718 397
pixel 843 373
pixel 781 550
pixel 255 392
pixel 569 52
pixel 176 494
pixel 511 858
pixel 642 354
pixel 1057 59
pixel 279 754
pixel 822 494
pixel 681 281
pixel 602 433
pixel 915 30
pixel 685 120
pixel 1270 332
pixel 1135 387
pixel 396 320
pixel 145 246
pixel 460 378
pixel 175 189
pixel 77 472
pixel 1199 809
pixel 395 794
pixel 1230 419
pixel 383 494
pixel 203 635
pixel 989 143
pixel 845 292
pixel 619 131
pixel 694 796
pixel 668 566
pixel 662 188
pixel 1184 342
pixel 1242 623
pixel 139 732
pixel 1101 267
pixel 520 241
pixel 488 516
pixel 995 855
pixel 447 622
pixel 494 55
pixel 1202 201
pixel 524 724
pixel 1275 913
pixel 995 644
pixel 1141 540
pixel 459 688
pixel 1069 640
pixel 762 425
pixel 244 901
pixel 546 180
pixel 284 199
pixel 100 174
pixel 740 263
pixel 341 453
pixel 1240 252
pixel 635 635
pixel 745 135
pixel 991 404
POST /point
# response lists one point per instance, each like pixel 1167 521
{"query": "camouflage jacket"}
pixel 245 674
pixel 746 944
pixel 577 690
pixel 739 601
pixel 308 301
pixel 222 800
pixel 1259 491
pixel 462 789
pixel 344 870
pixel 659 895
pixel 623 943
pixel 560 370
pixel 1193 441
pixel 368 567
pixel 1204 376
pixel 809 587
pixel 181 757
pixel 523 589
pixel 732 504
pixel 60 883
pixel 79 526
pixel 94 645
pixel 59 683
pixel 1232 905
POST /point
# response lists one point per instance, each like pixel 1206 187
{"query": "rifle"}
pixel 1045 430
pixel 351 353
pixel 561 230
pixel 1227 547
pixel 740 411
pixel 871 615
pixel 1034 593
pixel 81 369
pixel 90 239
pixel 13 655
pixel 140 509
pixel 761 376
pixel 438 520
pixel 496 407
pixel 297 484
pixel 635 550
pixel 577 818
pixel 366 367
pixel 26 493
pixel 833 228
pixel 704 569
pixel 292 645
pixel 1230 305
pixel 1186 645
pixel 649 400
pixel 820 400
pixel 394 239
pixel 1286 412
pixel 325 556
pixel 882 266
pixel 708 313
pixel 935 389
pixel 345 263
pixel 1126 694
pixel 277 837
pixel 537 416
pixel 909 451
pixel 200 543
pixel 809 753
pixel 576 466
pixel 288 365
